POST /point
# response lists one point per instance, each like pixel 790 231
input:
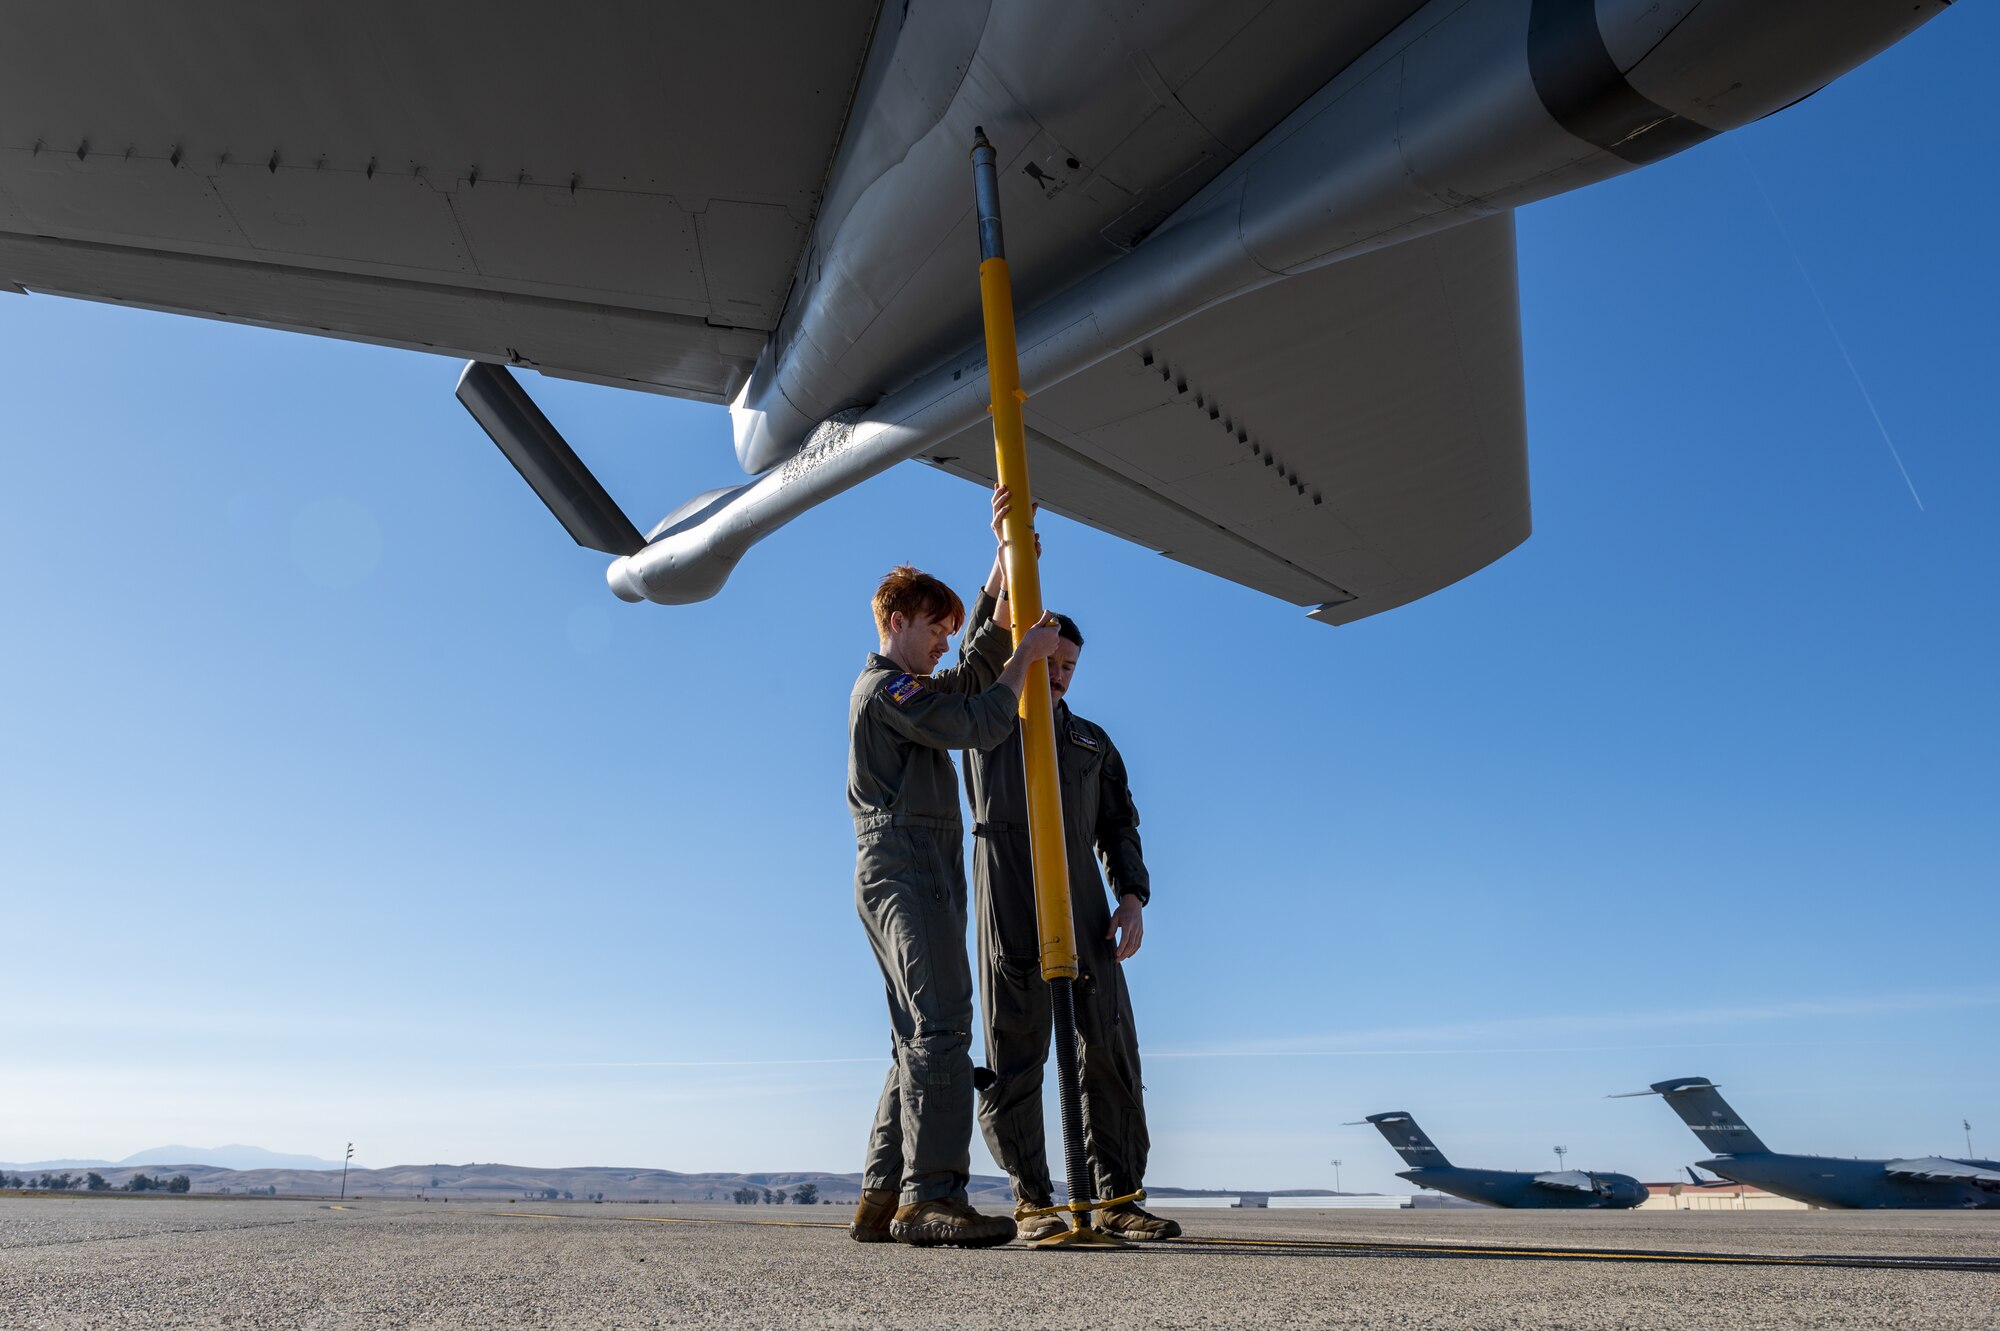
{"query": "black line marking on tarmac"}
pixel 1234 1247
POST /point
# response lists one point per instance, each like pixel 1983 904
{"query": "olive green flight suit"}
pixel 909 888
pixel 1100 822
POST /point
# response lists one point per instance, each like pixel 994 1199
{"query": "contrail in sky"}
pixel 1537 1049
pixel 1511 1035
pixel 1569 1032
pixel 1838 341
pixel 715 1063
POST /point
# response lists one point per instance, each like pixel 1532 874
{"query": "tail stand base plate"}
pixel 1084 1236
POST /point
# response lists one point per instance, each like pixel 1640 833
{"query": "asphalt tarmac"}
pixel 80 1261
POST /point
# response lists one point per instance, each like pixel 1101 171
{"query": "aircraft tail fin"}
pixel 1718 1126
pixel 1401 1131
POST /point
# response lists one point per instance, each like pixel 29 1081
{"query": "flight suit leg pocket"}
pixel 1018 1020
pixel 890 897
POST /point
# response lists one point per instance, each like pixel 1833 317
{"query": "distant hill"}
pixel 498 1182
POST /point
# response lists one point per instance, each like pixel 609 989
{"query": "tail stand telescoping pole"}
pixel 1038 735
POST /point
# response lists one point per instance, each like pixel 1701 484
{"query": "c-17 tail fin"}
pixel 1718 1126
pixel 1401 1131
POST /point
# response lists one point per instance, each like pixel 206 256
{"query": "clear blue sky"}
pixel 339 800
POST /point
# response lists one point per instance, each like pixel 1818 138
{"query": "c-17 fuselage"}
pixel 1566 1189
pixel 1926 1183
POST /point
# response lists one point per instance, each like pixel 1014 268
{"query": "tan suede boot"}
pixel 949 1224
pixel 1035 1228
pixel 1129 1222
pixel 872 1216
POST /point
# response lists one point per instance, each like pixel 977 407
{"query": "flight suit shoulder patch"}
pixel 1083 739
pixel 899 689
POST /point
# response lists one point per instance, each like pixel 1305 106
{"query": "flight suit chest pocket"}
pixel 1081 755
pixel 1080 746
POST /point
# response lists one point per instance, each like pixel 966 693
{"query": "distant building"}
pixel 1252 1201
pixel 1716 1197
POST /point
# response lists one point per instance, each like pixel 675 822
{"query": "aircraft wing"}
pixel 617 192
pixel 1351 440
pixel 623 194
pixel 1568 1180
pixel 1934 1169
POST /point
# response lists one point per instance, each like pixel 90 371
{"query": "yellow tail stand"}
pixel 1038 734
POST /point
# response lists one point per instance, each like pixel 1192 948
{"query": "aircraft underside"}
pixel 1268 321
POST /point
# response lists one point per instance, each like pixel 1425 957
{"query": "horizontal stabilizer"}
pixel 1348 440
pixel 545 460
pixel 1933 1169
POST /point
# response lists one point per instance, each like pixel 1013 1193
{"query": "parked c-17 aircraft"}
pixel 1264 253
pixel 1929 1183
pixel 1565 1189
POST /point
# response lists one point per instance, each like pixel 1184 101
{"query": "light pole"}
pixel 1966 1123
pixel 1561 1151
pixel 343 1170
pixel 1336 1176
